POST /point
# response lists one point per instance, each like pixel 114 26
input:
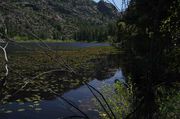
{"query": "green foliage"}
pixel 27 40
pixel 169 103
pixel 21 38
pixel 99 33
pixel 148 33
pixel 119 98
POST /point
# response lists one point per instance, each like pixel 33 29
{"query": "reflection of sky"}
pixel 117 2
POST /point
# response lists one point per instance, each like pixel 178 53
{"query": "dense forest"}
pixel 99 33
pixel 148 34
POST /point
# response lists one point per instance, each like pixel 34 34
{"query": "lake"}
pixel 29 46
pixel 95 63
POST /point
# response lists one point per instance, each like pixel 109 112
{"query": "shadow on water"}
pixel 35 101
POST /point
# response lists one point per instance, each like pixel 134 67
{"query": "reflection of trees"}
pixel 30 81
pixel 28 84
pixel 104 65
pixel 57 79
pixel 22 84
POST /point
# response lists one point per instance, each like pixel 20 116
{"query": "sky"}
pixel 117 2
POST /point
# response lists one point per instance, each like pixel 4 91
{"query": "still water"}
pixel 56 108
pixel 55 46
pixel 35 102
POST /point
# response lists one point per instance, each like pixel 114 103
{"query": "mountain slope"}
pixel 55 19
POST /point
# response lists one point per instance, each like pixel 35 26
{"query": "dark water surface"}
pixel 56 108
pixel 47 106
pixel 56 46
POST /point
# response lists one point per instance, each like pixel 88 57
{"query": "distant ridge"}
pixel 54 19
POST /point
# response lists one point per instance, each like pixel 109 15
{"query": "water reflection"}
pixel 56 108
pixel 35 101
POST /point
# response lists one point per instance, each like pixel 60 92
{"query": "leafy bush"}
pixel 118 97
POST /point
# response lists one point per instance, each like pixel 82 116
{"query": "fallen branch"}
pixel 3 81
